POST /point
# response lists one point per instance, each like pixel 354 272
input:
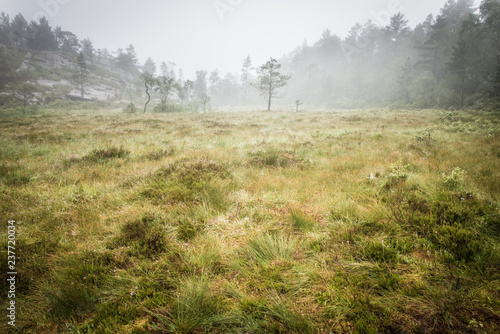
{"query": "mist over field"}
pixel 265 166
pixel 359 54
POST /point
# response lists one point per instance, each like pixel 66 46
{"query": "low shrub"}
pixel 378 251
pixel 458 243
pixel 398 173
pixel 130 108
pixel 455 180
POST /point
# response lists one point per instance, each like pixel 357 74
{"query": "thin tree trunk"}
pixel 270 93
pixel 149 97
pixel 81 85
pixel 463 90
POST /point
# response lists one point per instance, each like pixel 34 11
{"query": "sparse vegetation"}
pixel 289 226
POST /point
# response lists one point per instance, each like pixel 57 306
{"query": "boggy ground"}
pixel 321 222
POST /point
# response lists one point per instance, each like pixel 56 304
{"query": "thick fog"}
pixel 213 34
pixel 338 54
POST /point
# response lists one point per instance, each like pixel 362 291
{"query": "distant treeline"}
pixel 451 60
pixel 40 36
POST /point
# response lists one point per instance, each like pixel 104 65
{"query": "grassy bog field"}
pixel 257 222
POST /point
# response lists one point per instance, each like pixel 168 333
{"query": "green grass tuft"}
pixel 267 247
pixel 301 221
pixel 195 308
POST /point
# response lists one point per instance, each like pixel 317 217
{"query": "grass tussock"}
pixel 190 182
pixel 160 154
pixel 146 236
pixel 99 156
pixel 195 308
pixel 276 158
pixel 109 153
pixel 266 248
pixel 301 221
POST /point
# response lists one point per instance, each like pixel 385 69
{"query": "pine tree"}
pixel 18 31
pixel 490 14
pixel 462 57
pixel 88 50
pixel 150 67
pixel 200 85
pixel 5 29
pixel 184 90
pixel 40 36
pixel 405 81
pixel 164 86
pixel 397 30
pixel 82 72
pixel 246 77
pixel 270 80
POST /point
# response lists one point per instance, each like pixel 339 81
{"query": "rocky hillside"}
pixel 55 75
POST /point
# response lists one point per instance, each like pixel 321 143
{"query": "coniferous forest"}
pixel 448 61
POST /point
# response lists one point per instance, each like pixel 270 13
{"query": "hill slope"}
pixel 54 75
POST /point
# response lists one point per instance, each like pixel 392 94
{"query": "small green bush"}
pixel 449 117
pixel 463 244
pixel 164 107
pixel 405 203
pixel 377 251
pixel 455 180
pixel 133 230
pixel 458 209
pixel 397 174
pixel 130 108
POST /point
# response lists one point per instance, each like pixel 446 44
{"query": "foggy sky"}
pixel 214 34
